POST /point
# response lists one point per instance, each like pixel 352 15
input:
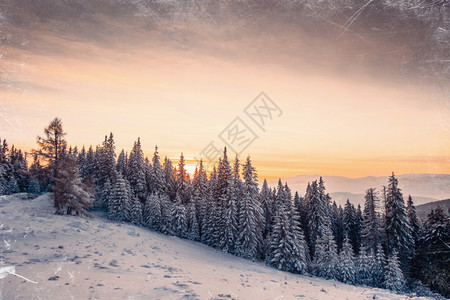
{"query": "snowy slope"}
pixel 77 258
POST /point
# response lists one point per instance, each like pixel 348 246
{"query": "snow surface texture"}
pixel 47 256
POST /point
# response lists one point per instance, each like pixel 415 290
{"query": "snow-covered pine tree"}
pixel 287 249
pixel 358 230
pixel 371 229
pixel 81 158
pixel 300 255
pixel 325 261
pixel 209 210
pixel 106 161
pixel 266 205
pixel 4 167
pixel 136 212
pixel 346 266
pixel 157 183
pixel 434 251
pixel 120 200
pixel 182 181
pixel 169 178
pixel 223 175
pixel 136 171
pixel 318 215
pixel 221 188
pixel 19 168
pixel 394 279
pixel 398 230
pixel 250 215
pixel 122 162
pixel 237 182
pixel 152 212
pixel 279 249
pixel 337 225
pixel 413 220
pixel 52 146
pixel 193 226
pixel 378 267
pixel 229 236
pixel 12 186
pixel 200 195
pixel 37 176
pixel 178 218
pixel 104 194
pixel 88 163
pixel 69 191
pixel 363 267
pixel 349 221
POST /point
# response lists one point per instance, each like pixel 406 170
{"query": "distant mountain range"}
pixel 423 188
pixel 424 209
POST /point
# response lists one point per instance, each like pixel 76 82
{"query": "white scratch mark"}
pixel 12 270
pixel 353 18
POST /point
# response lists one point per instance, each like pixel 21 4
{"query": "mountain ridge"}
pixel 422 187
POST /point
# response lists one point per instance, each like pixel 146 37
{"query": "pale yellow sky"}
pixel 182 97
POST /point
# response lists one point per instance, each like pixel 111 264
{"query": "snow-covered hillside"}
pixel 67 257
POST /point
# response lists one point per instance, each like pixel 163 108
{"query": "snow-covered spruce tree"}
pixel 413 220
pixel 286 249
pixel 81 160
pixel 136 171
pixel 152 209
pixel 398 230
pixel 136 212
pixel 394 279
pixel 19 168
pixel 4 167
pixel 220 191
pixel 300 254
pixel 182 181
pixel 120 200
pixel 200 194
pixel 178 218
pixel 279 249
pixel 378 267
pixel 157 183
pixel 169 178
pixel 349 222
pixel 358 229
pixel 363 267
pixel 325 261
pixel 122 162
pixel 434 252
pixel 229 236
pixel 337 225
pixel 250 215
pixel 371 229
pixel 318 215
pixel 87 163
pixel 106 161
pixel 12 186
pixel 71 195
pixel 37 176
pixel 103 195
pixel 346 266
pixel 34 186
pixel 238 185
pixel 416 230
pixel 209 230
pixel 193 226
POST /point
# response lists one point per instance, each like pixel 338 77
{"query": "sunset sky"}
pixel 177 83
